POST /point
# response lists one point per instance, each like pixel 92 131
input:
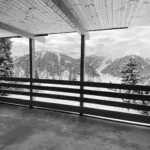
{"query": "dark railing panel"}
pixel 117 86
pixel 14 101
pixel 117 115
pixel 8 85
pixel 117 104
pixel 59 82
pixel 15 79
pixel 118 95
pixel 58 89
pixel 47 81
pixel 15 92
pixel 55 96
pixel 57 106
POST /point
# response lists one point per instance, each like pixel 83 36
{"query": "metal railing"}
pixel 22 86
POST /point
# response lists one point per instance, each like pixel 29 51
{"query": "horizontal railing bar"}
pixel 58 89
pixel 57 106
pixel 117 104
pixel 15 85
pixel 15 92
pixel 63 82
pixel 15 79
pixel 117 115
pixel 47 81
pixel 118 86
pixel 55 96
pixel 118 95
pixel 14 101
pixel 36 87
pixel 89 84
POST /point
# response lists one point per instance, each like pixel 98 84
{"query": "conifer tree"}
pixel 130 75
pixel 6 61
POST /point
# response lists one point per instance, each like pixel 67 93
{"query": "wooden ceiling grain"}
pixel 45 17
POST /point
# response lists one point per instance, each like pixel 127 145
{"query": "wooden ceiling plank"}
pixel 87 11
pixel 35 11
pixel 138 8
pixel 128 14
pixel 65 10
pixel 119 17
pixel 42 11
pixel 109 11
pixel 78 9
pixel 14 15
pixel 55 14
pixel 87 16
pixel 125 11
pixel 21 23
pixel 99 13
pixel 101 8
pixel 122 12
pixel 114 13
pixel 33 22
pixel 105 13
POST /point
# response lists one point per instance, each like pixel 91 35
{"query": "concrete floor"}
pixel 25 129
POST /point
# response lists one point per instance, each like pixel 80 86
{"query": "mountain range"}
pixel 54 65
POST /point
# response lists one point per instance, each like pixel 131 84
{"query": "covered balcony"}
pixel 49 113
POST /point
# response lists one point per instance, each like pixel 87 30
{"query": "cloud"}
pixel 101 42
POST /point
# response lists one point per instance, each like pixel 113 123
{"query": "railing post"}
pixel 32 66
pixel 82 72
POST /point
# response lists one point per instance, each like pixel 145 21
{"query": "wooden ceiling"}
pixel 103 14
pixel 59 16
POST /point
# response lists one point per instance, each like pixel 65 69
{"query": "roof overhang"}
pixel 39 17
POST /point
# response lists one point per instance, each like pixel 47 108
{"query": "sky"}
pixel 110 43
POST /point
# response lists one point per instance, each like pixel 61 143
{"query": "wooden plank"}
pixel 117 104
pixel 58 89
pixel 55 96
pixel 14 101
pixel 118 95
pixel 61 5
pixel 24 86
pixel 57 106
pixel 15 92
pixel 35 87
pixel 118 115
pixel 117 86
pixel 14 79
pixel 63 82
pixel 47 81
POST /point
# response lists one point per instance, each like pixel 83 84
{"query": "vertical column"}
pixel 82 72
pixel 32 67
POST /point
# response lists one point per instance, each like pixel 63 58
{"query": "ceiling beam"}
pixel 62 5
pixel 15 30
pixel 20 32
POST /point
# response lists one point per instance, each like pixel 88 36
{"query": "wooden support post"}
pixel 82 72
pixel 32 67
